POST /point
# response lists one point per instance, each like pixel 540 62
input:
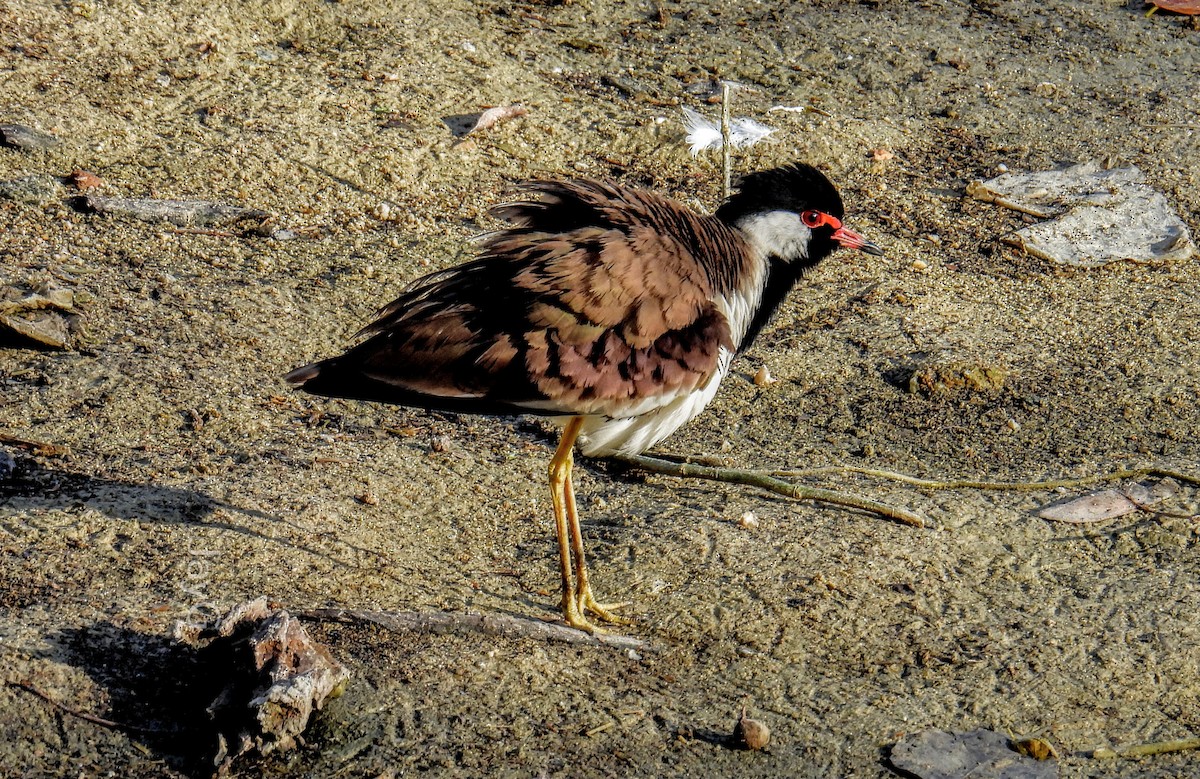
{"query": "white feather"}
pixel 703 133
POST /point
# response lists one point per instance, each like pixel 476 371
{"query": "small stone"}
pixel 750 733
pixel 748 520
pixel 85 180
pixel 35 189
pixel 763 377
pixel 951 377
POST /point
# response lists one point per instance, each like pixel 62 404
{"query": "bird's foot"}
pixel 576 610
pixel 604 610
pixel 587 602
pixel 575 615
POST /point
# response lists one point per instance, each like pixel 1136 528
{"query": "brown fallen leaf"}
pixel 1108 504
pixel 1178 6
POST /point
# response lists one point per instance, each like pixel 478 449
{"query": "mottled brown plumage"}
pixel 617 308
pixel 567 321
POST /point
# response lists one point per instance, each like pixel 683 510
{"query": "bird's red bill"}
pixel 852 240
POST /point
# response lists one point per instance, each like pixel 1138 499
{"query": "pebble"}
pixel 751 734
pixel 748 520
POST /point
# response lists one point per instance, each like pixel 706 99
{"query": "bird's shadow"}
pixel 35 487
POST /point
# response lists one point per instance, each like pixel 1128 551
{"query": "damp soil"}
pixel 196 478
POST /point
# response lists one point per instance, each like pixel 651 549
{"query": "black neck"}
pixel 781 277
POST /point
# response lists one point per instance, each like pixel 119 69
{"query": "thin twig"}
pixel 968 484
pixel 40 448
pixel 1151 748
pixel 766 481
pixel 83 715
pixel 488 624
pixel 726 146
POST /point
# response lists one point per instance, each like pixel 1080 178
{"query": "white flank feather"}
pixel 705 134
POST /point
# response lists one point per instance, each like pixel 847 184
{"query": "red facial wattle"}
pixel 843 235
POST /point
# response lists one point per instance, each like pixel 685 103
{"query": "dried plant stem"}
pixel 726 145
pixel 83 715
pixel 488 624
pixel 967 484
pixel 767 481
pixel 1151 748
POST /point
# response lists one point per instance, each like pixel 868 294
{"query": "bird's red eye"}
pixel 812 219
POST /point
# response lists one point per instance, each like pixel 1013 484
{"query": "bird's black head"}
pixel 792 213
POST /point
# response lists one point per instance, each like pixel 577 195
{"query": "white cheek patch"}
pixel 778 233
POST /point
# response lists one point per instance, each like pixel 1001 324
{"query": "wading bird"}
pixel 615 310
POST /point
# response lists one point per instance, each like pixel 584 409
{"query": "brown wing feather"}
pixel 615 309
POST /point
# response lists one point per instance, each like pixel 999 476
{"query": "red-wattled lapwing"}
pixel 615 310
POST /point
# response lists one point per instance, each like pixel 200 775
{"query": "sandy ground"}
pixel 196 478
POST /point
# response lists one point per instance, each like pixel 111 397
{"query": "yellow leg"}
pixel 560 474
pixel 583 589
pixel 577 593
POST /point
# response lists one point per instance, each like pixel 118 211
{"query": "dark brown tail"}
pixel 304 374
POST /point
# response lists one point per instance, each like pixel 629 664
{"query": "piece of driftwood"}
pixel 182 213
pixel 488 624
pixel 39 448
pixel 767 481
pixel 1146 750
pixel 275 678
pixel 42 317
pixel 83 715
pixel 18 136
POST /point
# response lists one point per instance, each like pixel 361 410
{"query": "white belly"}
pixel 602 436
pixel 644 427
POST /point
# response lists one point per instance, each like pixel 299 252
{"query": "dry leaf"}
pixel 1108 504
pixel 494 116
pixel 1179 6
pixel 1037 748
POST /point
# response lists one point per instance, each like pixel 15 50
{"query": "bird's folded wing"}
pixel 597 320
